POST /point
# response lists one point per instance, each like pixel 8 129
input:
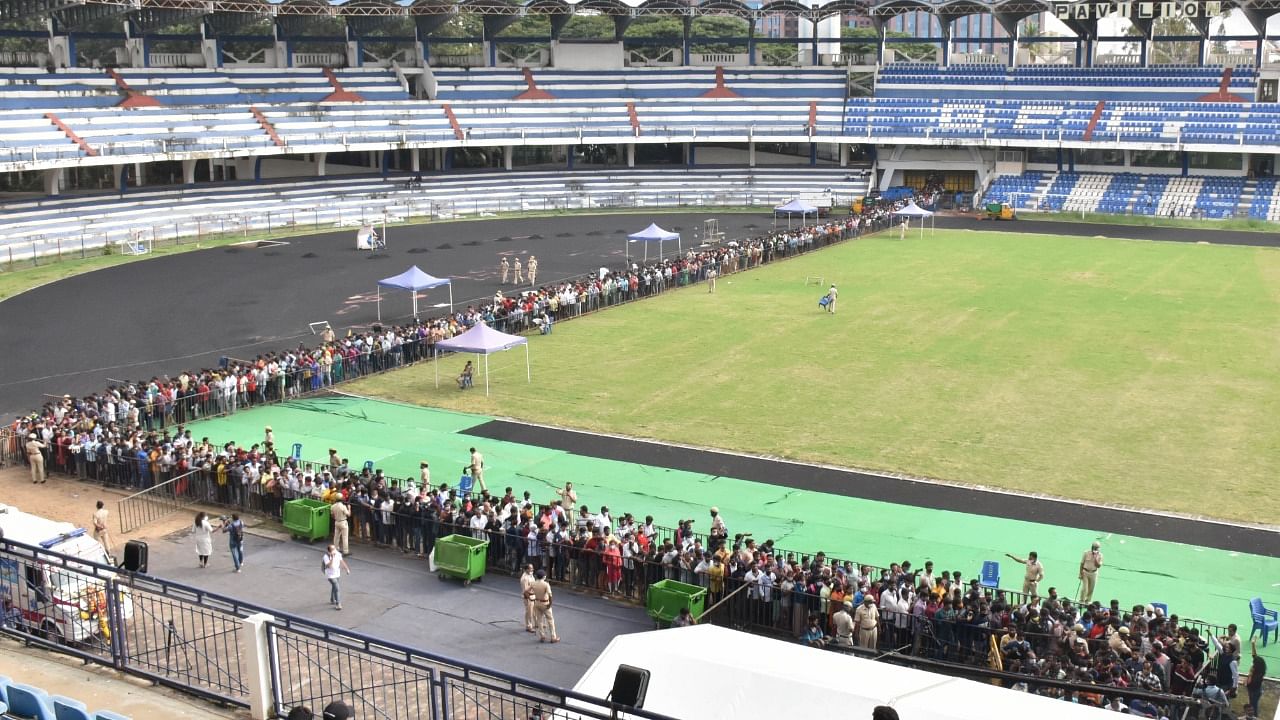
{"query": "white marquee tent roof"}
pixel 713 673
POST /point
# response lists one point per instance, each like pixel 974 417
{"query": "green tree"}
pixel 588 27
pixel 719 26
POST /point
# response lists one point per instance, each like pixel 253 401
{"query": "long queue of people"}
pixel 1137 653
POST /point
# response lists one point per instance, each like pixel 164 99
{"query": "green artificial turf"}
pixel 1125 372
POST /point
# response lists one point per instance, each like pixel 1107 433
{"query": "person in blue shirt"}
pixel 813 635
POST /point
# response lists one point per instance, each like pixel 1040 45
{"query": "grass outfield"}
pixel 1132 372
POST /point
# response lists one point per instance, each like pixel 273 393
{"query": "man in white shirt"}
pixel 478 524
pixel 333 565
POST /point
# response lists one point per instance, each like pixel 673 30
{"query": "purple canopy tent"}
pixel 912 210
pixel 483 340
pixel 653 233
pixel 413 280
pixel 795 207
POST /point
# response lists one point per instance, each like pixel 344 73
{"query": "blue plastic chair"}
pixel 5 682
pixel 990 575
pixel 26 701
pixel 1163 608
pixel 1267 621
pixel 108 715
pixel 297 451
pixel 465 483
pixel 65 708
pixel 368 465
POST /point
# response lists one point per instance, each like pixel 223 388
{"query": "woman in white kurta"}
pixel 203 533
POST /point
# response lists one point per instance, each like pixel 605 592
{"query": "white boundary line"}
pixel 873 473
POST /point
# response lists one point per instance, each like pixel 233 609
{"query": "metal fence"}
pixel 202 643
pixel 396 203
pixel 158 501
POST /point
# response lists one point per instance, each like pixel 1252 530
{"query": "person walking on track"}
pixel 333 565
pixel 533 269
pixel 1089 564
pixel 505 268
pixel 540 594
pixel 518 278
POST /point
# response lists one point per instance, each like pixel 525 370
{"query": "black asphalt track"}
pixel 902 491
pixel 186 311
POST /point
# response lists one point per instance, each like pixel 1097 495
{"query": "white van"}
pixel 65 602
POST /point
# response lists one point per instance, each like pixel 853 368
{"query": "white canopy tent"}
pixel 912 210
pixel 713 673
pixel 795 207
pixel 414 280
pixel 653 233
pixel 483 340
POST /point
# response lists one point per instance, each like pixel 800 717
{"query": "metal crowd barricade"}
pixel 200 643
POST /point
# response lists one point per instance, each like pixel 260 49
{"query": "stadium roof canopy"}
pixel 1007 12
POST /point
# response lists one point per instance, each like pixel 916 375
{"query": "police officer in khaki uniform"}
pixel 526 583
pixel 540 594
pixel 843 623
pixel 1089 564
pixel 1034 574
pixel 36 458
pixel 505 268
pixel 518 278
pixel 341 527
pixel 867 622
pixel 533 269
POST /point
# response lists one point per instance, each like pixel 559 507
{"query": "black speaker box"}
pixel 135 556
pixel 630 686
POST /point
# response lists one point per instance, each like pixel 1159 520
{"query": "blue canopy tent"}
pixel 653 233
pixel 414 280
pixel 795 207
pixel 912 210
pixel 483 340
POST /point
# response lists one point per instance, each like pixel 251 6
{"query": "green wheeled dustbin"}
pixel 461 556
pixel 307 518
pixel 666 598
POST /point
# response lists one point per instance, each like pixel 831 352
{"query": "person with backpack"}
pixel 234 528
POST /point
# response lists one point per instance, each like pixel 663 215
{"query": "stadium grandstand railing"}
pixel 76 226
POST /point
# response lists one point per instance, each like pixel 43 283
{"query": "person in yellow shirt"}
pixel 715 576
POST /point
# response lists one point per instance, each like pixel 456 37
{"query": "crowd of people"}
pixel 135 435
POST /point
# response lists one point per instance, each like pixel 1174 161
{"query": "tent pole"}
pixel 415 304
pixel 486 374
pixel 379 303
pixel 435 363
pixel 450 298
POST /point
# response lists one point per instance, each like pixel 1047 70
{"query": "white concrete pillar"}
pixel 415 159
pixel 353 54
pixel 209 51
pixel 631 155
pixel 188 172
pixel 244 168
pixel 116 171
pixel 281 54
pixel 136 49
pixel 60 51
pixel 139 174
pixel 507 153
pixel 320 163
pixel 52 181
pixel 256 664
pixel 844 155
pixel 751 153
pixel 373 158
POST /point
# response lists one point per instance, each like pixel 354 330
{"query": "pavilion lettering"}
pixel 1146 10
